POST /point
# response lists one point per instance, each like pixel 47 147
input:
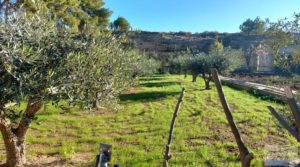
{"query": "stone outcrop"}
pixel 164 43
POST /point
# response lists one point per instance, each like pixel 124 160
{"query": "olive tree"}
pixel 223 60
pixel 195 64
pixel 39 63
pixel 29 55
pixel 145 66
pixel 98 73
pixel 179 63
pixel 200 65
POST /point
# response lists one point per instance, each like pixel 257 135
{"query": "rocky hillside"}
pixel 164 43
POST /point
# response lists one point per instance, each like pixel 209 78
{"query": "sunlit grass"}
pixel 139 130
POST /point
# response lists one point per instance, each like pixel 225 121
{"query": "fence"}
pixel 285 95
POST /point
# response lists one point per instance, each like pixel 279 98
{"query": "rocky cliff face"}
pixel 164 43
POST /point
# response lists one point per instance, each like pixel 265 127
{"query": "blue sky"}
pixel 198 15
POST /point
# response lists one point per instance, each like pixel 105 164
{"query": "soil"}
pixel 55 161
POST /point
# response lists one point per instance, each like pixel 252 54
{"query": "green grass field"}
pixel 138 130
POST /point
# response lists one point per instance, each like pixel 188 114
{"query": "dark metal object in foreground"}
pixel 104 155
pixel 167 155
pixel 245 155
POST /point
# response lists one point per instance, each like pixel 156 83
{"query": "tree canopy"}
pixel 256 26
pixel 283 41
pixel 121 24
pixel 76 15
pixel 223 59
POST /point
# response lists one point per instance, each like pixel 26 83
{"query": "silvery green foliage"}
pixel 144 66
pixel 224 60
pixel 100 72
pixel 148 66
pixel 180 63
pixel 227 59
pixel 38 60
pixel 29 50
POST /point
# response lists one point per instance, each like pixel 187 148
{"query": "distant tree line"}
pixel 284 43
pixel 281 40
pixel 256 26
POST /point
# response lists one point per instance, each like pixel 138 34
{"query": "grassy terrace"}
pixel 138 131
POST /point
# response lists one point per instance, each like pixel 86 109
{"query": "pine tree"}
pixel 76 15
pixel 121 24
pixel 216 45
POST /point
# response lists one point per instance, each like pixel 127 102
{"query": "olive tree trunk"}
pixel 95 103
pixel 194 77
pixel 15 153
pixel 207 79
pixel 207 85
pixel 14 138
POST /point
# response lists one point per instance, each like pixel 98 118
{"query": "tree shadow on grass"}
pixel 151 79
pixel 196 113
pixel 159 84
pixel 146 96
pixel 56 162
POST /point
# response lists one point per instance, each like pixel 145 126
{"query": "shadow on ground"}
pixel 152 79
pixel 51 161
pixel 146 96
pixel 159 84
pixel 55 163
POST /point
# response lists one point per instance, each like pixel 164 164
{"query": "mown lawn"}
pixel 138 130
